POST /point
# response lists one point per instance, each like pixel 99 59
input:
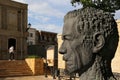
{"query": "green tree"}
pixel 106 5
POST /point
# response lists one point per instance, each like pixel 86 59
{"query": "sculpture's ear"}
pixel 99 42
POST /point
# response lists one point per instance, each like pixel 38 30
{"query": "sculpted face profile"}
pixel 90 39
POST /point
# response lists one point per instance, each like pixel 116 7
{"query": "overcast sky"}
pixel 48 15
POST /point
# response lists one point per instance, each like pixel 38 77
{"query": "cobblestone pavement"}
pixel 29 78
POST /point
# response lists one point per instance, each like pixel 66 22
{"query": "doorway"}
pixel 11 42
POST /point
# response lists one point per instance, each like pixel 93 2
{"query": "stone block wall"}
pixel 36 65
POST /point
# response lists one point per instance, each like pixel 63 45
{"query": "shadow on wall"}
pixel 37 50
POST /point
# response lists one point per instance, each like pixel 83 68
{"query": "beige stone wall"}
pixel 50 57
pixel 12 19
pixel 116 59
pixel 13 23
pixel 0 17
pixel 61 63
pixel 36 65
pixel 13 4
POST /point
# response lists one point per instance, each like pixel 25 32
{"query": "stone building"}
pixel 40 41
pixel 48 38
pixel 44 44
pixel 32 36
pixel 61 63
pixel 50 56
pixel 13 24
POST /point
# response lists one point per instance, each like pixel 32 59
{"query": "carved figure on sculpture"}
pixel 89 43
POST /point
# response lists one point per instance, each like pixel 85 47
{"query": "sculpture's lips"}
pixel 69 63
pixel 66 58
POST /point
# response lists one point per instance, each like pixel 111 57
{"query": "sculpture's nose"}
pixel 62 50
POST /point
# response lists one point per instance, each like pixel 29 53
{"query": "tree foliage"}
pixel 106 5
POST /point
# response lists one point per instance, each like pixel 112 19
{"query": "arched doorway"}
pixel 11 42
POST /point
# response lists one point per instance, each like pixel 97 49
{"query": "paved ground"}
pixel 29 78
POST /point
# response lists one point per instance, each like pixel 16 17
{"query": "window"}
pixel 43 37
pixel 31 35
pixel 30 43
pixel 48 39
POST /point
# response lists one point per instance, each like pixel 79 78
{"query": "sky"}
pixel 48 15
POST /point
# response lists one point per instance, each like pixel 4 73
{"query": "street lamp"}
pixel 28 27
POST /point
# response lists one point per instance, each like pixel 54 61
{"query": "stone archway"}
pixel 4 50
pixel 12 42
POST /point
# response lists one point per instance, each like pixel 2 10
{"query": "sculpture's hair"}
pixel 94 19
pixel 90 20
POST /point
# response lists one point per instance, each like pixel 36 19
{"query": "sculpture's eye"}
pixel 67 37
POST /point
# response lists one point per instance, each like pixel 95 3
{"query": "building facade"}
pixel 40 41
pixel 47 38
pixel 44 45
pixel 13 24
pixel 32 36
pixel 61 62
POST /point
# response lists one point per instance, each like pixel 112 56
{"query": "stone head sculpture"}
pixel 90 39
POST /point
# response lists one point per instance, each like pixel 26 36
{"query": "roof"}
pixel 13 4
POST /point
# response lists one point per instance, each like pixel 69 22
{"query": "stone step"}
pixel 14 68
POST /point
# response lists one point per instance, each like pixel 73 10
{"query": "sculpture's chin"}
pixel 72 69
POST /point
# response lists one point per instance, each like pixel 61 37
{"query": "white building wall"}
pixel 116 59
pixel 61 62
pixel 31 39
